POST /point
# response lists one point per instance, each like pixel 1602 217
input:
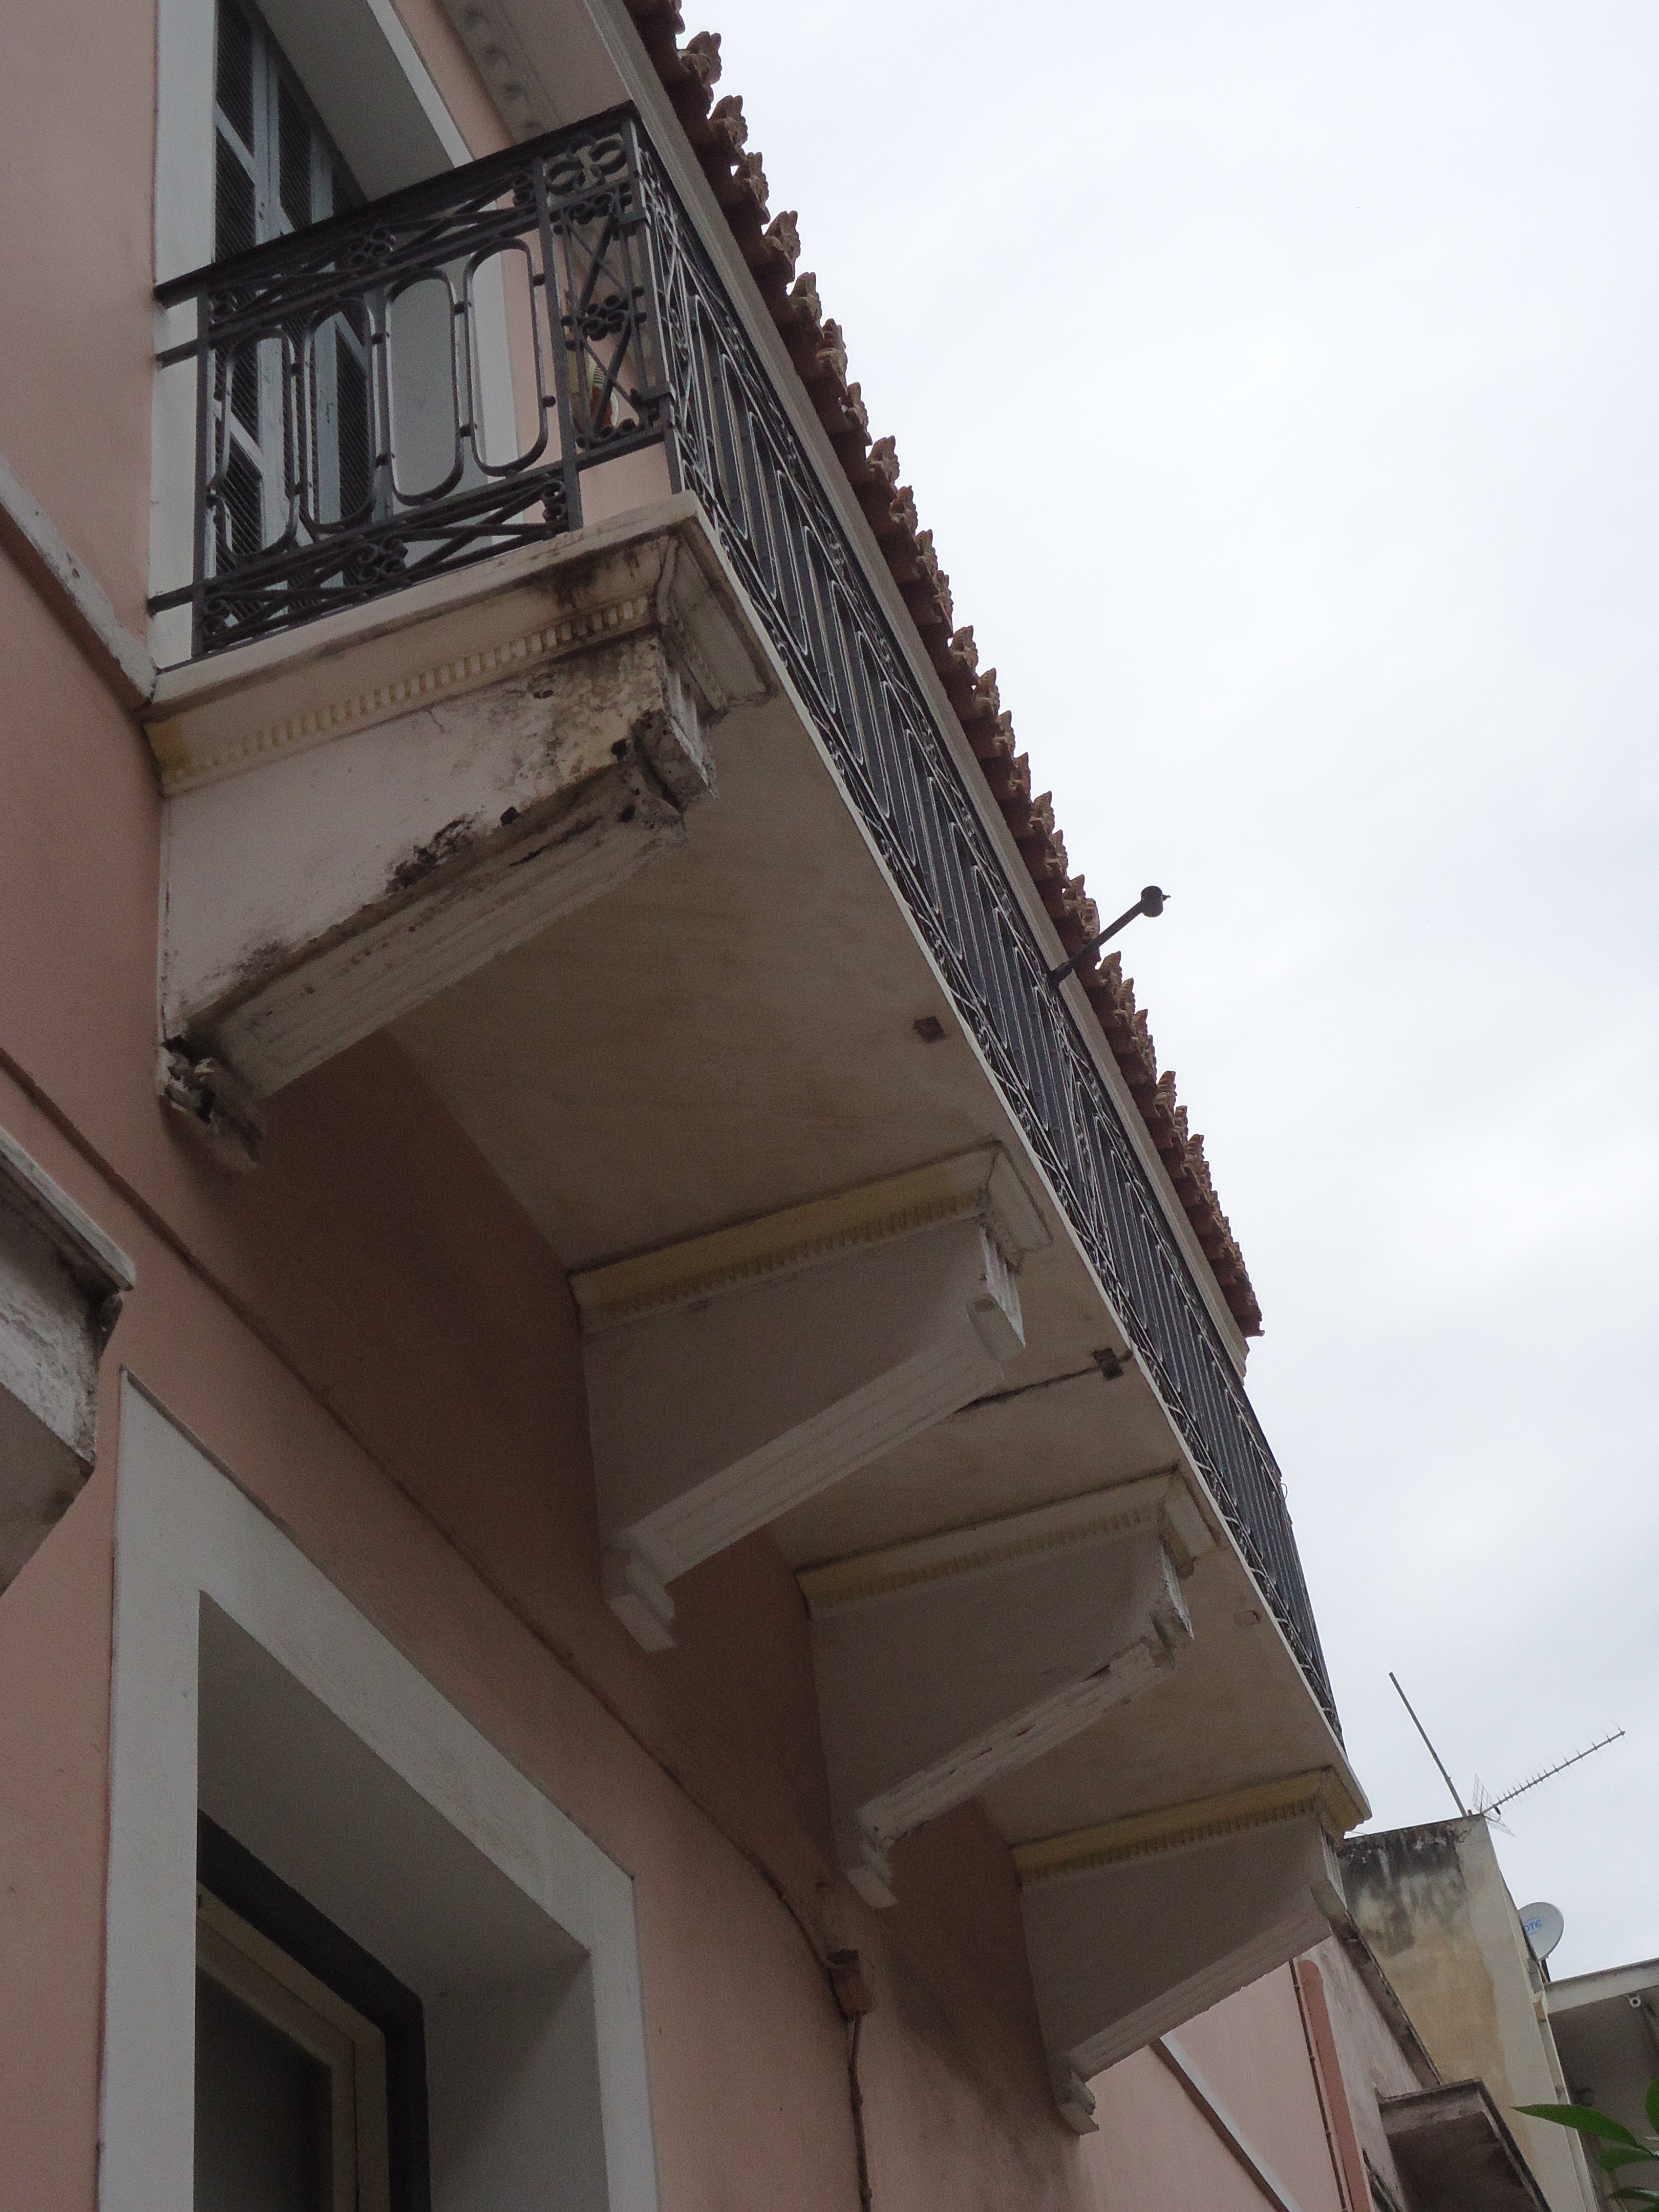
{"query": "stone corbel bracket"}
pixel 367 809
pixel 736 1374
pixel 61 1282
pixel 1134 1927
pixel 946 1663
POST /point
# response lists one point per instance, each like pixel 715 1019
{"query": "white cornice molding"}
pixel 185 766
pixel 434 641
pixel 61 1281
pixel 95 1261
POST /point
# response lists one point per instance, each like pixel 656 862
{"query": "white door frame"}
pixel 184 1532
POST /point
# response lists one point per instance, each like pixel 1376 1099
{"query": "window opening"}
pixel 277 171
pixel 310 2055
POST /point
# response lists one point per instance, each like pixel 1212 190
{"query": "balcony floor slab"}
pixel 745 1027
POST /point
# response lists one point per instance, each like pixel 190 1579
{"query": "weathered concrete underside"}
pixel 925 1697
pixel 824 1287
pixel 736 1374
pixel 354 824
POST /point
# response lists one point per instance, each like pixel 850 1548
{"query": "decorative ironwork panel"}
pixel 635 341
pixel 357 425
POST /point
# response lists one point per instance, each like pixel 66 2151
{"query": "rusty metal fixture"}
pixel 849 1978
pixel 1151 901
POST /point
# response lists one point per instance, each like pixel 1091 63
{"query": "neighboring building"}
pixel 1432 1904
pixel 1269 2100
pixel 680 1602
pixel 1309 2092
pixel 1606 2028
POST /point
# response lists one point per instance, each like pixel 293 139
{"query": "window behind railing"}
pixel 318 488
pixel 276 172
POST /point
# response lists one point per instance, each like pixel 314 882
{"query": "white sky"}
pixel 1281 383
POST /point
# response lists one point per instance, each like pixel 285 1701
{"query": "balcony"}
pixel 541 707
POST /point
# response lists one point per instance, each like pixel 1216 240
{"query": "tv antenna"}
pixel 1490 1805
pixel 1433 1753
pixel 1486 1807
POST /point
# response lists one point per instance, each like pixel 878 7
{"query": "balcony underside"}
pixel 740 1023
pixel 732 1032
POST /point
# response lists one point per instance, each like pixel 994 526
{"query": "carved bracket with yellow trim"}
pixel 948 1662
pixel 1134 1927
pixel 731 1377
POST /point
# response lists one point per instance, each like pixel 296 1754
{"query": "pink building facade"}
pixel 636 1570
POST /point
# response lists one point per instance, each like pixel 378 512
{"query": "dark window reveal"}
pixel 265 2118
pixel 268 2068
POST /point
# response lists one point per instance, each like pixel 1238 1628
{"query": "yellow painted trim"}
pixel 1079 1520
pixel 777 1243
pixel 1259 1805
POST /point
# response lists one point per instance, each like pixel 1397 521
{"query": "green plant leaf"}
pixel 1587 2120
pixel 1635 2196
pixel 1611 2161
pixel 1653 2104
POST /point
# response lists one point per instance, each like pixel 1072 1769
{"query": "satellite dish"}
pixel 1543 1928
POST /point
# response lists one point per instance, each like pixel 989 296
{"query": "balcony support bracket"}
pixel 61 1282
pixel 946 1663
pixel 1134 1927
pixel 738 1373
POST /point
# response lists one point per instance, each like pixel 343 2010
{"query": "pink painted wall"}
pixel 1156 2152
pixel 1253 2052
pixel 76 251
pixel 370 1336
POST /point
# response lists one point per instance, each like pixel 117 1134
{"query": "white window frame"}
pixel 185 93
pixel 281 1992
pixel 186 1533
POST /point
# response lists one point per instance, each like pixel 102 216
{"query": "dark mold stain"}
pixel 425 860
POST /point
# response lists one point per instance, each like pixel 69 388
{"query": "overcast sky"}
pixel 1281 383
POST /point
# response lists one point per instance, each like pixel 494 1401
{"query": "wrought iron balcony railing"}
pixel 346 441
pixel 312 363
